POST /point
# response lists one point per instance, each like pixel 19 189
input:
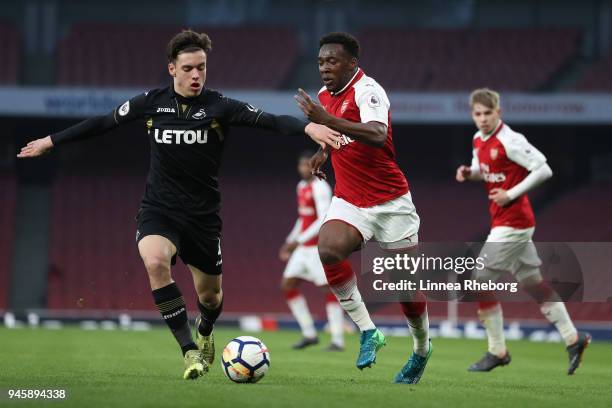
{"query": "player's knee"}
pixel 211 299
pixel 330 254
pixel 158 268
pixel 288 284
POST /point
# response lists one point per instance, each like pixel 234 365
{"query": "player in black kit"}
pixel 179 213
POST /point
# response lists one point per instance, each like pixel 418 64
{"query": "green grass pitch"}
pixel 143 369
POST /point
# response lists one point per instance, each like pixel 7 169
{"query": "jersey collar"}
pixel 495 132
pixel 182 99
pixel 350 83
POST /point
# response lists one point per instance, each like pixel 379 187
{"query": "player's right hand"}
pixel 36 148
pixel 316 161
pixel 463 173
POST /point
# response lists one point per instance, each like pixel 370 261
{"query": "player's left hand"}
pixel 499 196
pixel 323 135
pixel 313 111
pixel 286 250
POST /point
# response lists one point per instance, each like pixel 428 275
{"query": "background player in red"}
pixel 300 250
pixel 371 196
pixel 510 167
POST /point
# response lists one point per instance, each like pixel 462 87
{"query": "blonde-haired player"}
pixel 510 167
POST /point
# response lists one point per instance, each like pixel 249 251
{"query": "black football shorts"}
pixel 197 240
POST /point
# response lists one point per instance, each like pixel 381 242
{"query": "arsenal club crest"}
pixel 494 153
pixel 343 107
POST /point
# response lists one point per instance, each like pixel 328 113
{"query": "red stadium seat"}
pixel 10 51
pixel 455 60
pixel 111 63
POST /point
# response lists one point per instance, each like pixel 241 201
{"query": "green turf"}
pixel 143 369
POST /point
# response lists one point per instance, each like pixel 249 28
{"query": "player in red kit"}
pixel 303 263
pixel 510 167
pixel 371 196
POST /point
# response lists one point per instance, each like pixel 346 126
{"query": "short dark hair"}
pixel 187 41
pixel 348 42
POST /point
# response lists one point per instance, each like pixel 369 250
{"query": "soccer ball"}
pixel 245 359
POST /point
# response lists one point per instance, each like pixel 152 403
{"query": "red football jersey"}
pixel 365 175
pixel 504 159
pixel 307 209
pixel 313 198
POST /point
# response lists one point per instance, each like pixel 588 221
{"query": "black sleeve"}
pixel 243 114
pixel 286 125
pixel 129 111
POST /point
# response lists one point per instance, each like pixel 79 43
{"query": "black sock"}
pixel 171 305
pixel 209 317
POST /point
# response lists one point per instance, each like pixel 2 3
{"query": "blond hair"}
pixel 486 97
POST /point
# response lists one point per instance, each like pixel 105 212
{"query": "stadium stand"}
pixel 94 262
pixel 7 221
pixel 597 77
pixel 451 60
pixel 9 49
pixel 583 212
pixel 100 54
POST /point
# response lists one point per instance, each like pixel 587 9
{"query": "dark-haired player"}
pixel 303 263
pixel 371 197
pixel 179 212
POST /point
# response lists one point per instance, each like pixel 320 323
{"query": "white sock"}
pixel 556 313
pixel 419 327
pixel 493 321
pixel 350 299
pixel 300 311
pixel 335 317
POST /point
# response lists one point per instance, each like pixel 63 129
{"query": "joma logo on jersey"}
pixel 166 110
pixel 181 136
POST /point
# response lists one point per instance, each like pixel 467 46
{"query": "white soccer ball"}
pixel 245 359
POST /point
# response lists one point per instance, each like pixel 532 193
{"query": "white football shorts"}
pixel 394 224
pixel 305 264
pixel 511 250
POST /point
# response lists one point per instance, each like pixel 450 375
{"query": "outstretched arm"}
pixel 371 132
pixel 243 114
pixel 91 127
pixel 82 130
pixel 288 125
